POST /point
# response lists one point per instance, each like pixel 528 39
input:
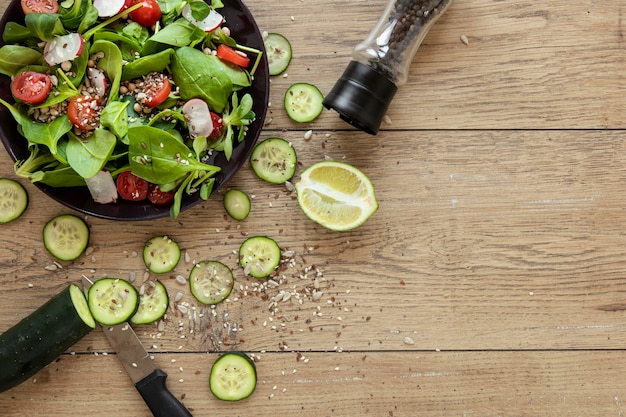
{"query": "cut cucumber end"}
pixel 66 237
pixel 274 160
pixel 233 377
pixel 82 307
pixel 13 200
pixel 237 204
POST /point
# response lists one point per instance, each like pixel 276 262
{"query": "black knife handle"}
pixel 158 398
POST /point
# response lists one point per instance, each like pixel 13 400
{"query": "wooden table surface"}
pixel 491 281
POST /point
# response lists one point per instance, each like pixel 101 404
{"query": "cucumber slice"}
pixel 303 102
pixel 233 377
pixel 43 336
pixel 211 282
pixel 153 303
pixel 274 160
pixel 237 204
pixel 161 254
pixel 259 256
pixel 66 237
pixel 112 301
pixel 278 51
pixel 13 200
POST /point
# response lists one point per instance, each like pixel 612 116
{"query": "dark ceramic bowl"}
pixel 245 30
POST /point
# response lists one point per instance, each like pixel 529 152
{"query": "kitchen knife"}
pixel 143 371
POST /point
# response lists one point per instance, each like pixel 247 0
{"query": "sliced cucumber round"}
pixel 13 200
pixel 153 303
pixel 112 301
pixel 161 254
pixel 259 256
pixel 233 377
pixel 66 237
pixel 211 282
pixel 274 160
pixel 278 51
pixel 303 102
pixel 237 204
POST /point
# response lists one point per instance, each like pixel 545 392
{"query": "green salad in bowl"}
pixel 130 109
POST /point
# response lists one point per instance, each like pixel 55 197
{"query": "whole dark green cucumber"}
pixel 43 336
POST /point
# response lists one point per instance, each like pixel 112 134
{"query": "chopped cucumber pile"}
pixel 303 102
pixel 274 160
pixel 211 282
pixel 259 256
pixel 13 200
pixel 161 254
pixel 233 377
pixel 278 52
pixel 66 237
pixel 237 204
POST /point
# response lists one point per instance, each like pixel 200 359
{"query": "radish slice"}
pixel 63 48
pixel 102 188
pixel 108 8
pixel 98 81
pixel 198 117
pixel 208 24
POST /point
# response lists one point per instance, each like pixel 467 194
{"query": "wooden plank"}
pixel 360 383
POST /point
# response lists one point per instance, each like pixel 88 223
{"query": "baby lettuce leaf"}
pixel 114 117
pixel 158 157
pixel 15 57
pixel 87 156
pixel 111 64
pixel 146 64
pixel 198 75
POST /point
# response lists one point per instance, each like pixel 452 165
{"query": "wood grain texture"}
pixel 489 283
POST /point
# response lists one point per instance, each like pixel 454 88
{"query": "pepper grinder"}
pixel 380 64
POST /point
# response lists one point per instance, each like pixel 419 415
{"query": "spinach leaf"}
pixel 72 15
pixel 14 57
pixel 158 157
pixel 16 33
pixel 202 76
pixel 87 156
pixel 47 134
pixel 115 118
pixel 45 26
pixel 79 67
pixel 111 64
pixel 146 64
pixel 179 33
pixel 89 19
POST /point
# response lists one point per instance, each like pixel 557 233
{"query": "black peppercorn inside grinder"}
pixel 380 64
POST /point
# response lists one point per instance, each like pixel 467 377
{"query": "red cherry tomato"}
pixel 40 6
pixel 84 112
pixel 157 89
pixel 232 55
pixel 218 126
pixel 158 197
pixel 148 14
pixel 131 187
pixel 31 87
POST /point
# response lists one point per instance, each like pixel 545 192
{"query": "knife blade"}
pixel 148 378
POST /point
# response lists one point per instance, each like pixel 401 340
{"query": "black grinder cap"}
pixel 361 97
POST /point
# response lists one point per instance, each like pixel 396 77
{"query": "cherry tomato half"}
pixel 84 112
pixel 232 55
pixel 31 87
pixel 131 187
pixel 148 14
pixel 40 6
pixel 158 197
pixel 157 89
